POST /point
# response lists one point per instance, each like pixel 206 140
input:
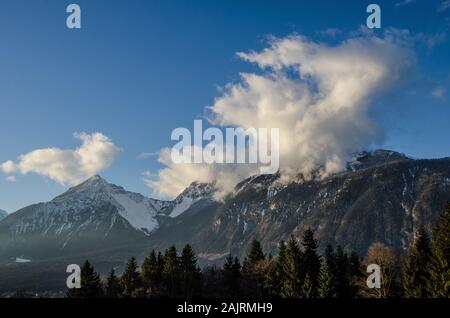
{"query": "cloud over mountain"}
pixel 318 95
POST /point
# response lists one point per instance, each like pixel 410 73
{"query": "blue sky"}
pixel 138 69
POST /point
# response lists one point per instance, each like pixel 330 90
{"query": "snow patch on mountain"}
pixel 367 159
pixel 139 214
pixel 181 207
pixel 191 195
pixel 22 260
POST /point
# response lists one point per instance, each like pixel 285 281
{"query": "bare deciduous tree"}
pixel 388 260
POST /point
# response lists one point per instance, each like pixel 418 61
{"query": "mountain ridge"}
pixel 386 202
pixel 383 196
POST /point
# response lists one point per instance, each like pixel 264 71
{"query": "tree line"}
pixel 298 271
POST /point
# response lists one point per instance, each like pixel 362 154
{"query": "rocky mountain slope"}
pixel 383 196
pixel 3 214
pixel 90 217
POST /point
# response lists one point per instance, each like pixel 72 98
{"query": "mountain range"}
pixel 382 196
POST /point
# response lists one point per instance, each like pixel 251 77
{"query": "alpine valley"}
pixel 382 196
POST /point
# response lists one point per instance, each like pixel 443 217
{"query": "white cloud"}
pixel 318 95
pixel 174 178
pixel 11 179
pixel 67 166
pixel 9 167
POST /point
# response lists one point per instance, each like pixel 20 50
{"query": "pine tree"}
pixel 113 289
pixel 236 267
pixel 439 268
pixel 342 274
pixel 279 270
pixel 190 273
pixel 355 272
pixel 232 266
pixel 231 274
pixel 228 265
pixel 149 270
pixel 416 266
pixel 91 284
pixel 250 277
pixel 311 260
pixel 254 255
pixel 291 270
pixel 171 272
pixel 130 279
pixel 330 257
pixel 160 261
pixel 326 282
pixel 307 290
pixel 354 264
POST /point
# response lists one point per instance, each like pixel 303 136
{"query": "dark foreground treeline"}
pixel 298 271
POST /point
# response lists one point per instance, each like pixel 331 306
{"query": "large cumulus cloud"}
pixel 318 95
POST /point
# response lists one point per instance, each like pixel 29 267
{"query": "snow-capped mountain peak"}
pixel 95 182
pixel 367 159
pixel 138 210
pixel 90 188
pixel 96 193
pixel 198 190
pixel 192 194
pixel 96 203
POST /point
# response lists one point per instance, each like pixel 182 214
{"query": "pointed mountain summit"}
pixel 90 216
pixel 366 159
pixel 196 192
pixel 139 211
